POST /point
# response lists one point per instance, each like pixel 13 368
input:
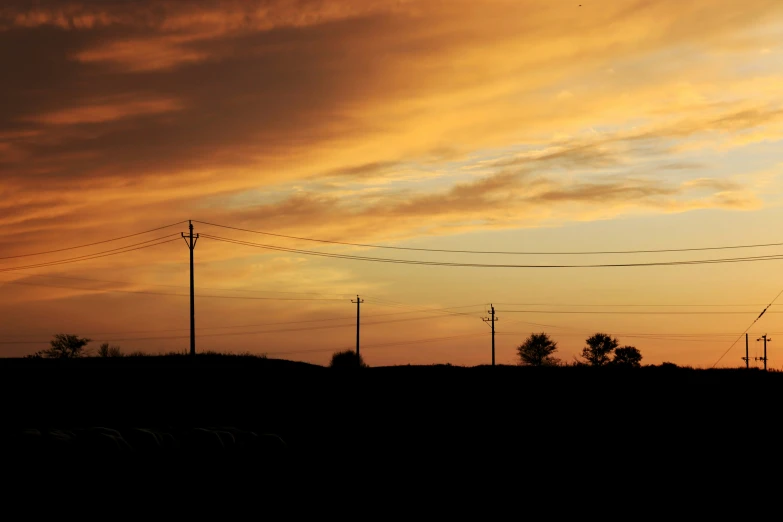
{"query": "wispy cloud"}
pixel 101 112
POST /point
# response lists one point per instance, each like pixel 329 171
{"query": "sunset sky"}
pixel 499 125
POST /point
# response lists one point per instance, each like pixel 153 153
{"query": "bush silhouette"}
pixel 599 347
pixel 627 356
pixel 64 346
pixel 347 359
pixel 537 350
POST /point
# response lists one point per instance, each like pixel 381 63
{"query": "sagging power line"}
pixel 489 265
pixel 342 296
pixel 623 305
pixel 379 345
pixel 169 294
pixel 443 313
pixel 364 245
pixel 106 253
pixel 106 337
pixel 748 328
pixel 622 312
pixel 93 244
pixel 408 261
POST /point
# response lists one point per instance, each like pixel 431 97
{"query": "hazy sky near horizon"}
pixel 501 125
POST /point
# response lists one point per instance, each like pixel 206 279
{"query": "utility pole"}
pixel 746 358
pixel 765 350
pixel 358 303
pixel 491 320
pixel 191 242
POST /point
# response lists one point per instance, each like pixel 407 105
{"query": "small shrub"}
pixel 64 346
pixel 347 359
pixel 109 351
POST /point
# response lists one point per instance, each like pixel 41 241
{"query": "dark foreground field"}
pixel 248 422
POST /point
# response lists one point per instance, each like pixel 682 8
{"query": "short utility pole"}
pixel 766 339
pixel 491 320
pixel 358 303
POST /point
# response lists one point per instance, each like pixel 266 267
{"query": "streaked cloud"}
pixel 101 112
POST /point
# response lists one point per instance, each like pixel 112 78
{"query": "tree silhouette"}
pixel 109 351
pixel 537 350
pixel 599 347
pixel 627 356
pixel 347 359
pixel 64 346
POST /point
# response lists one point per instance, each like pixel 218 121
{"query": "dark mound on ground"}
pixel 440 420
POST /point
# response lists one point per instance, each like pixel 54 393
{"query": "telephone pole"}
pixel 190 240
pixel 746 358
pixel 491 320
pixel 766 339
pixel 358 303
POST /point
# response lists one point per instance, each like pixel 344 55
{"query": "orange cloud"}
pixel 147 54
pixel 102 112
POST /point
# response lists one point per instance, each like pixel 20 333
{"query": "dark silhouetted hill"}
pixel 309 422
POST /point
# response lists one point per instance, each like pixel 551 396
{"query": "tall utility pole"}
pixel 766 339
pixel 191 242
pixel 491 320
pixel 358 303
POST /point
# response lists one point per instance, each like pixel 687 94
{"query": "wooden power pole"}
pixel 358 303
pixel 766 339
pixel 191 242
pixel 491 320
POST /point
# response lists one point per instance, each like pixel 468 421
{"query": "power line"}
pixel 92 244
pixel 144 292
pixel 428 340
pixel 397 304
pixel 625 305
pixel 447 311
pixel 168 294
pixel 233 334
pixel 279 330
pixel 364 245
pixel 343 296
pixel 371 317
pixel 748 328
pixel 382 345
pixel 652 336
pixel 276 323
pixel 616 312
pixel 630 336
pixel 385 302
pixel 484 265
pixel 105 253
